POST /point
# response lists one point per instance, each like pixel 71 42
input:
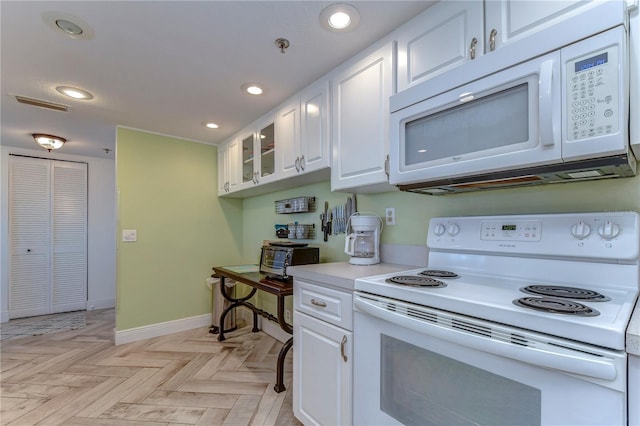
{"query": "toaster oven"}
pixel 274 260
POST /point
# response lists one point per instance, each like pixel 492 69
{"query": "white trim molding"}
pixel 161 329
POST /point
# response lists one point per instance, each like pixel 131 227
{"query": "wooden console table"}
pixel 257 281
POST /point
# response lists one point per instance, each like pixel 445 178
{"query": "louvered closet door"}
pixel 48 236
pixel 29 237
pixel 69 236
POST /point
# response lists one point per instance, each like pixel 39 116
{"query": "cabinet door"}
pixel 233 164
pixel 223 168
pixel 266 147
pixel 288 126
pixel 322 372
pixel 360 122
pixel 439 39
pixel 511 20
pixel 247 158
pixel 314 124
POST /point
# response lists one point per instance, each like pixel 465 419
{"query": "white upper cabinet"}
pixel 228 166
pixel 257 153
pixel 360 122
pixel 511 20
pixel 314 127
pixel 303 132
pixel 453 33
pixel 443 37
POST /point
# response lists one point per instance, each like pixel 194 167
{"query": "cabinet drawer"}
pixel 332 306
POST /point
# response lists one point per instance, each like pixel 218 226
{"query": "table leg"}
pixel 235 302
pixel 279 386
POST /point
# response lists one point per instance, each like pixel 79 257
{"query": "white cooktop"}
pixel 496 256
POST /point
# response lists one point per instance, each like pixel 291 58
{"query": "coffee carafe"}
pixel 362 241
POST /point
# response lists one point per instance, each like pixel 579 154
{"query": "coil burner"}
pixel 575 293
pixel 415 281
pixel 556 306
pixel 435 273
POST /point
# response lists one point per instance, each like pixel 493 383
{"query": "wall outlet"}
pixel 287 315
pixel 129 235
pixel 390 216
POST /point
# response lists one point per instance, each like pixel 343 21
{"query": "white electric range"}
pixel 522 311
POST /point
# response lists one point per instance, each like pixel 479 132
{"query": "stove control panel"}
pixel 513 230
pixel 600 235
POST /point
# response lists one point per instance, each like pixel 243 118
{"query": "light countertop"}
pixel 633 332
pixel 342 274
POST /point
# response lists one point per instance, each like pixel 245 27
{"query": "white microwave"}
pixel 559 117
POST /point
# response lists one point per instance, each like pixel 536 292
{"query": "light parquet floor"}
pixel 80 377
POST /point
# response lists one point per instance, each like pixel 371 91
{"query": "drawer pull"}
pixel 321 304
pixel 344 342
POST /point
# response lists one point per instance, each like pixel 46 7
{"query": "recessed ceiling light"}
pixel 210 125
pixel 74 92
pixel 340 17
pixel 252 88
pixel 68 25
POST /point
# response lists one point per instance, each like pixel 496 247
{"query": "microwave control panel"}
pixel 592 94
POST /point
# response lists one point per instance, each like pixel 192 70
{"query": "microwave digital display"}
pixel 508 227
pixel 594 61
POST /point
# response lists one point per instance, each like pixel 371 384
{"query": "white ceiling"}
pixel 168 66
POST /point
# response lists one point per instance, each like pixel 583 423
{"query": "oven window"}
pixel 420 387
pixel 494 121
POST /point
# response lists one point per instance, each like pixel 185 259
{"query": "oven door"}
pixel 418 366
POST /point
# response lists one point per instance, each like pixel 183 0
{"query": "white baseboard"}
pixel 161 329
pixel 100 304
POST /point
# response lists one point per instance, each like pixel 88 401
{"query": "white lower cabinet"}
pixel 322 355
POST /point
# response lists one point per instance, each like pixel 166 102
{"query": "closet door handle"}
pixel 342 345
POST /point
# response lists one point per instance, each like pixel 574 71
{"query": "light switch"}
pixel 129 235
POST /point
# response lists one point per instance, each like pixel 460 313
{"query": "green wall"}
pixel 167 191
pixel 413 211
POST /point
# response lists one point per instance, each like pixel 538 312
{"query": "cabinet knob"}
pixel 492 39
pixel 472 48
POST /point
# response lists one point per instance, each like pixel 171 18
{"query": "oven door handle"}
pixel 576 363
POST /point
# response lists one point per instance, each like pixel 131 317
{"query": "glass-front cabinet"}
pixel 258 152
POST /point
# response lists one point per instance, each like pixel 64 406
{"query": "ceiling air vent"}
pixel 41 103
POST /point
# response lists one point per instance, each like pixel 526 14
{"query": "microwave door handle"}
pixel 548 129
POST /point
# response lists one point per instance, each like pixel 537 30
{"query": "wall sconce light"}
pixel 48 142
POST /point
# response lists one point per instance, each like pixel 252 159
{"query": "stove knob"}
pixel 453 229
pixel 580 230
pixel 439 229
pixel 609 230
